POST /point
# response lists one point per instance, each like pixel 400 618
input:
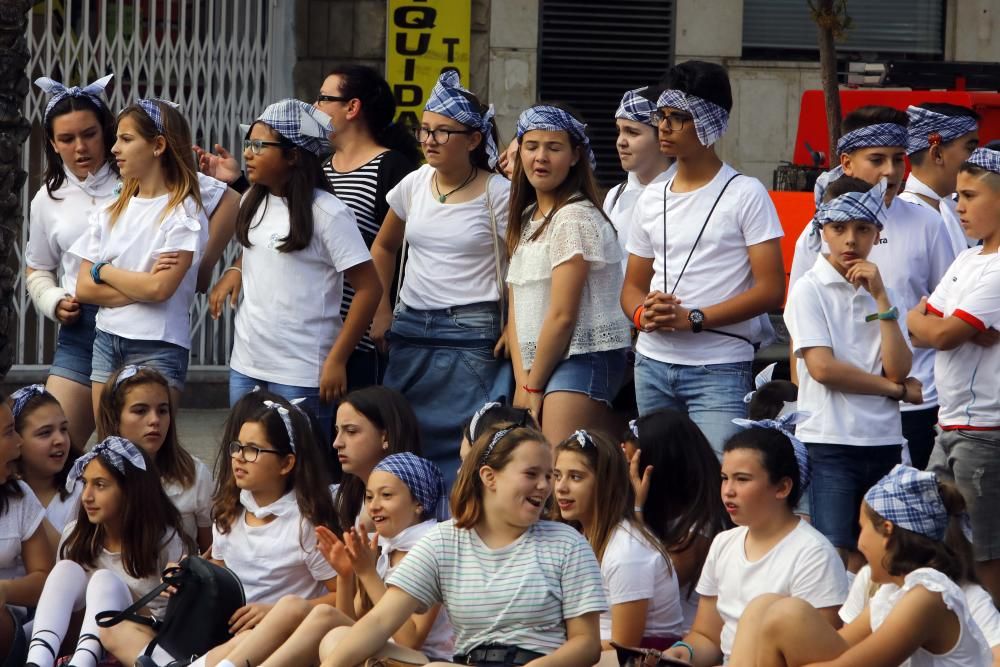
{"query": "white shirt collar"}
pixel 95 183
pixel 827 274
pixel 918 187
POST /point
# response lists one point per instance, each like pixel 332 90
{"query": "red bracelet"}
pixel 532 391
pixel 637 316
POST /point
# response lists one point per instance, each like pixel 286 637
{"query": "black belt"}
pixel 497 654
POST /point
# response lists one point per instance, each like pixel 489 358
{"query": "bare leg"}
pixel 390 650
pixel 302 647
pixel 126 641
pixel 76 401
pixel 744 653
pixel 566 411
pixel 794 633
pixel 95 389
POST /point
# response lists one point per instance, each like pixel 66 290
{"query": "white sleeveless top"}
pixel 971 649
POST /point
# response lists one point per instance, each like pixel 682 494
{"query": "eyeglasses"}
pixel 675 121
pixel 441 135
pixel 257 145
pixel 332 98
pixel 249 453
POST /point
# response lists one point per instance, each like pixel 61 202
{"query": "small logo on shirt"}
pixel 274 241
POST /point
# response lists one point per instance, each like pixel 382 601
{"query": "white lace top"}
pixel 971 649
pixel 575 229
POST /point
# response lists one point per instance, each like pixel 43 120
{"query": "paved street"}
pixel 200 432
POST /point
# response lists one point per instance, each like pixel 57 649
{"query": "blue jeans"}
pixel 240 385
pixel 711 395
pixel 111 352
pixel 442 361
pixel 75 350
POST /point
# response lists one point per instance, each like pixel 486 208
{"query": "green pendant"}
pixel 442 198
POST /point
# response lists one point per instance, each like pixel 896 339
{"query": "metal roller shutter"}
pixel 591 52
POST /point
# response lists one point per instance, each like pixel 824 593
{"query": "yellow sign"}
pixel 425 38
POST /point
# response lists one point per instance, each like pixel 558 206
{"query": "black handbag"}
pixel 206 595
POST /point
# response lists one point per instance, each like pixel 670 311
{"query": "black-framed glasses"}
pixel 257 145
pixel 440 135
pixel 249 452
pixel 675 121
pixel 332 98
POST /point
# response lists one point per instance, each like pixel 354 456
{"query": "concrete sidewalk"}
pixel 200 432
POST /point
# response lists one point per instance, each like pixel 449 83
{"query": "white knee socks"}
pixel 62 595
pixel 105 592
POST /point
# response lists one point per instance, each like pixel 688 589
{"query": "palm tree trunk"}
pixel 827 22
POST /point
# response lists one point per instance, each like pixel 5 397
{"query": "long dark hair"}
pixel 55 174
pixel 389 411
pixel 305 177
pixel 10 488
pixel 579 185
pixel 378 108
pixel 73 453
pixel 148 516
pixel 777 457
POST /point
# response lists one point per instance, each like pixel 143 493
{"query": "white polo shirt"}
pixel 619 205
pixel 719 268
pixel 969 375
pixel 945 208
pixel 912 255
pixel 824 310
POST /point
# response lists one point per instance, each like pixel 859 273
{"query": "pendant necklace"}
pixel 442 197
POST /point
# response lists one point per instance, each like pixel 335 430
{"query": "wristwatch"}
pixel 891 314
pixel 697 320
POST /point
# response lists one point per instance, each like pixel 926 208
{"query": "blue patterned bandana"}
pixel 986 158
pixel 784 424
pixel 554 119
pixel 20 398
pixel 423 478
pixel 635 107
pixel 302 124
pixel 910 499
pixel 286 419
pixel 152 109
pixel 873 136
pixel 57 91
pixel 114 450
pixel 480 413
pixel 927 127
pixel 869 206
pixel 710 120
pixel 447 99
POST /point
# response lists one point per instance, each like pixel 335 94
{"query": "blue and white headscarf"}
pixel 422 478
pixel 873 136
pixel 128 372
pixel 554 119
pixel 115 451
pixel 286 419
pixel 784 424
pixel 152 108
pixel 986 158
pixel 710 120
pixel 58 91
pixel 868 206
pixel 302 124
pixel 20 398
pixel 928 126
pixel 910 499
pixel 635 107
pixel 447 99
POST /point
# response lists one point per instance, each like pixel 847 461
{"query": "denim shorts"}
pixel 75 349
pixel 111 352
pixel 599 375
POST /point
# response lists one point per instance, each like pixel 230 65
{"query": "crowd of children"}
pixel 426 459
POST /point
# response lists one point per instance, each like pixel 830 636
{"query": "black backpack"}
pixel 197 615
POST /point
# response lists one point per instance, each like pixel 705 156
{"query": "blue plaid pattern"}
pixel 545 117
pixel 872 136
pixel 634 106
pixel 152 109
pixel 423 478
pixel 910 499
pixel 784 424
pixel 868 206
pixel 21 397
pixel 710 120
pixel 446 98
pixel 302 124
pixel 112 449
pixel 924 123
pixel 986 158
pixel 58 91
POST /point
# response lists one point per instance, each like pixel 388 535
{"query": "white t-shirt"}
pixel 619 204
pixel 824 310
pixel 912 255
pixel 133 243
pixel 171 552
pixel 56 224
pixel 633 569
pixel 719 268
pixel 212 190
pixel 450 258
pixel 971 649
pixel 195 502
pixel 290 315
pixel 519 595
pixel 577 229
pixel 945 209
pixel 277 559
pixel 17 524
pixel 61 511
pixel 969 375
pixel 980 604
pixel 803 564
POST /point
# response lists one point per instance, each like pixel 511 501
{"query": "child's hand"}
pixel 987 338
pixel 663 312
pixel 248 616
pixel 229 286
pixel 363 554
pixel 640 483
pixel 865 274
pixel 68 310
pixel 164 261
pixel 380 324
pixel 332 380
pixel 914 391
pixel 222 165
pixel 334 551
